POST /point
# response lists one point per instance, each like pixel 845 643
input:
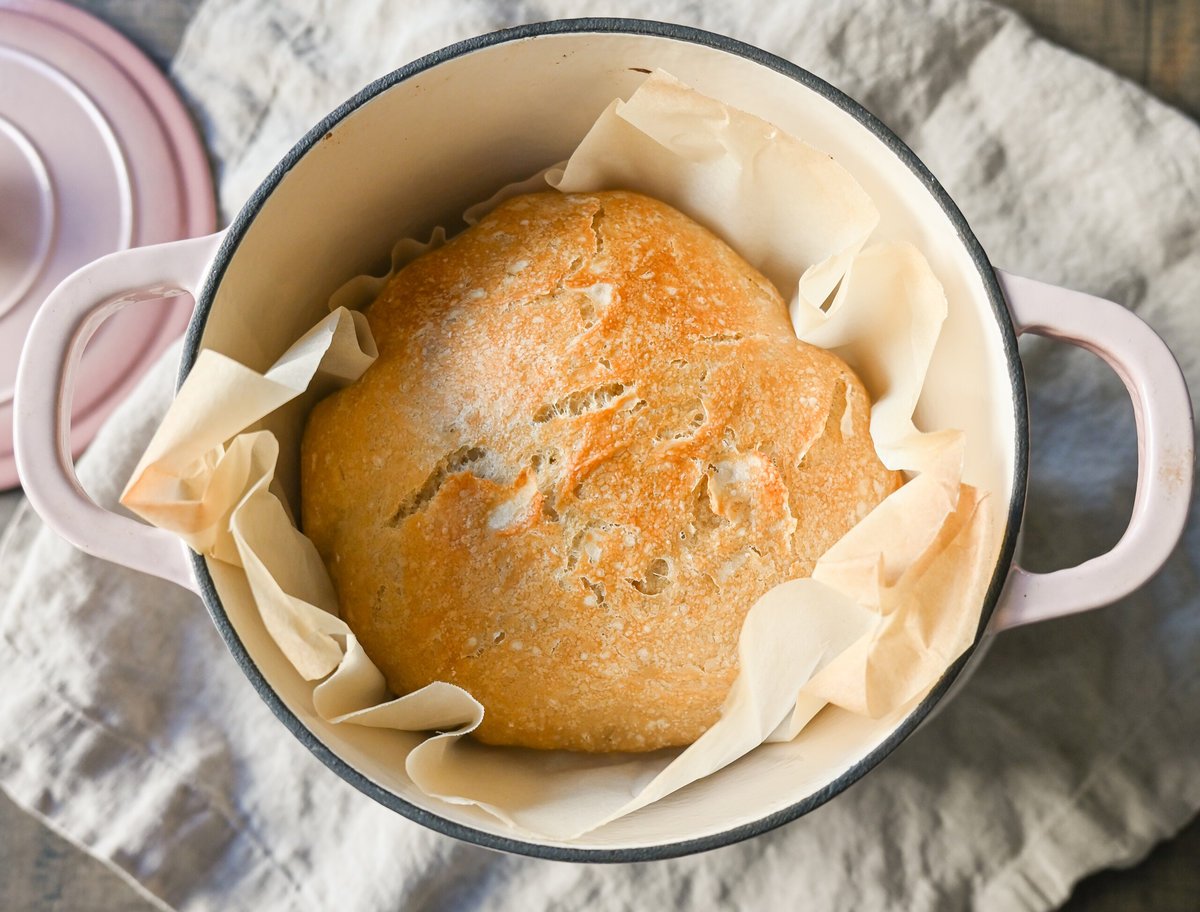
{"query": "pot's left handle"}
pixel 45 388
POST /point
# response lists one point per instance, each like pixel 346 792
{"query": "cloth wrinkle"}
pixel 217 803
pixel 1038 837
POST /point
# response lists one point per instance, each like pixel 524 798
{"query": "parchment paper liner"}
pixel 888 608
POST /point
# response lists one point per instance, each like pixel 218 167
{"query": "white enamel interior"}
pixel 418 154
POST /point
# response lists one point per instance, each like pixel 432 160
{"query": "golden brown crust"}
pixel 591 441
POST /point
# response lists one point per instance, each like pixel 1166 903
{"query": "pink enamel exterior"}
pixel 1162 409
pixel 120 165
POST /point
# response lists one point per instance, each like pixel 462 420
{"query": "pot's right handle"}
pixel 64 323
pixel 1163 412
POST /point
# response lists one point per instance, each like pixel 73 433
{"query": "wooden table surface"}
pixel 1154 42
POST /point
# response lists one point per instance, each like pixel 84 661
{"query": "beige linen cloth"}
pixel 125 724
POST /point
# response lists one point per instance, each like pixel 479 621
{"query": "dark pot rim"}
pixel 245 218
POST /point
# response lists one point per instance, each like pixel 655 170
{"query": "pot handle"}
pixel 1163 412
pixel 45 388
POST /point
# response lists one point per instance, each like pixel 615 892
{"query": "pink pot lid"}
pixel 97 154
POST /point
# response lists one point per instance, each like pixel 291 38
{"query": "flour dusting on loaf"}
pixel 590 443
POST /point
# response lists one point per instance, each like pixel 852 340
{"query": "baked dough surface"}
pixel 590 442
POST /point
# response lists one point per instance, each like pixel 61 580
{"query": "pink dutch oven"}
pixel 417 147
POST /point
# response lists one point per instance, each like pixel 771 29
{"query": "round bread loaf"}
pixel 590 442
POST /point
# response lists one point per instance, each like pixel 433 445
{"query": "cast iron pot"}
pixel 417 147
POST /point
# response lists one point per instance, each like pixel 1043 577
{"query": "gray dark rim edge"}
pixel 250 210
